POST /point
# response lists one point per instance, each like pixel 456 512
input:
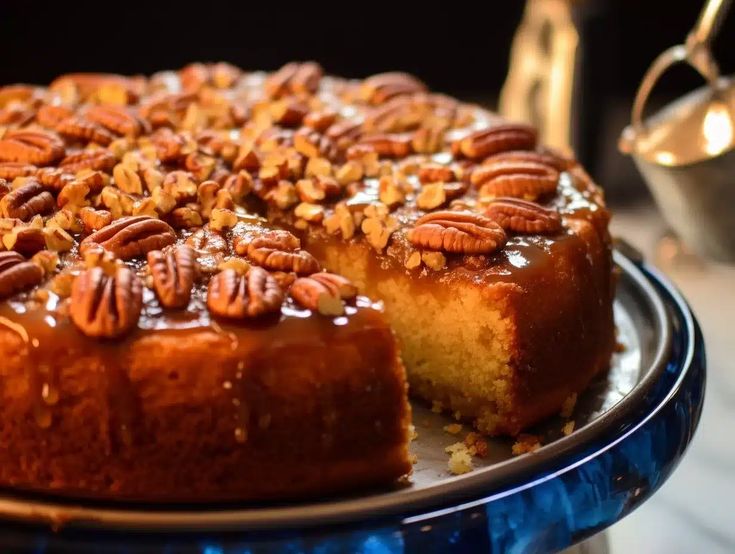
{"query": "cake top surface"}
pixel 179 200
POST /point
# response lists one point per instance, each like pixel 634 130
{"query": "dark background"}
pixel 454 47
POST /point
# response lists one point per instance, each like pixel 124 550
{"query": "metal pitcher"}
pixel 686 151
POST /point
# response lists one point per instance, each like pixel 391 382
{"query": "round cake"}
pixel 210 280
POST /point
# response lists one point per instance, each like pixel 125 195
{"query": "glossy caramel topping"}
pixel 108 172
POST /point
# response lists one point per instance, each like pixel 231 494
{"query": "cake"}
pixel 210 280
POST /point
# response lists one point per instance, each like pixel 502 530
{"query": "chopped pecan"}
pixel 433 173
pixel 11 170
pixel 97 159
pixel 312 144
pixel 50 115
pixel 288 112
pixel 320 120
pixel 513 214
pixel 117 119
pixel 17 274
pixel 385 145
pixel 94 220
pixel 457 232
pixel 16 93
pixel 26 240
pixel 221 75
pixel 345 132
pixel 398 115
pixel 486 142
pixel 80 128
pixel 294 78
pixel 4 188
pixel 384 86
pixel 235 296
pixel 16 116
pixel 520 179
pixel 31 147
pixel 173 275
pixel 323 292
pixel 276 249
pixel 26 201
pixel 104 305
pixel 318 189
pixel 132 237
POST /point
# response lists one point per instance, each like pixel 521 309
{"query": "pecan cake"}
pixel 182 259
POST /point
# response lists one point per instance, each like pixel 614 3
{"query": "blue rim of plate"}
pixel 566 491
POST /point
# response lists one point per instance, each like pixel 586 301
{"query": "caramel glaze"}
pixel 558 291
pixel 252 394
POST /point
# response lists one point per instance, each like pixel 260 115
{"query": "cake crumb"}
pixel 568 427
pixel 437 407
pixel 412 433
pixel 413 458
pixel 620 347
pixel 525 444
pixel 476 444
pixel 568 406
pixel 453 428
pixel 460 459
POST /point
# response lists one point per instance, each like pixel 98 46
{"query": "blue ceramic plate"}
pixel 632 427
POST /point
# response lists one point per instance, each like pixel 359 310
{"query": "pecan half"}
pixel 384 86
pixel 527 180
pixel 132 237
pixel 11 170
pixel 543 158
pixel 50 116
pixel 294 78
pixel 235 296
pixel 173 275
pixel 117 119
pixel 26 201
pixel 276 249
pixel 31 147
pixel 513 214
pixel 486 142
pixel 385 145
pixel 106 306
pixel 312 144
pixel 98 159
pixel 323 292
pixel 433 173
pixel 55 178
pixel 457 232
pixel 80 128
pixel 26 240
pixel 207 241
pixel 17 274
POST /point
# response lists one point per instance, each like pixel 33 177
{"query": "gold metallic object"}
pixel 539 87
pixel 686 152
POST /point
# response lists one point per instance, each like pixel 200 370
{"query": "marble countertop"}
pixel 694 511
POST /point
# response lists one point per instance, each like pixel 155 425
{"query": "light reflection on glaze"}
pixel 516 258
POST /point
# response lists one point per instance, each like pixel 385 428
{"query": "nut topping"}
pixel 234 296
pixel 457 232
pixel 11 170
pixel 31 147
pixel 323 292
pixel 526 180
pixel 98 160
pixel 386 146
pixel 294 78
pixel 132 237
pixel 80 128
pixel 513 214
pixel 106 305
pixel 277 250
pixel 26 201
pixel 117 119
pixel 384 86
pixel 173 275
pixel 484 143
pixel 558 163
pixel 17 274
